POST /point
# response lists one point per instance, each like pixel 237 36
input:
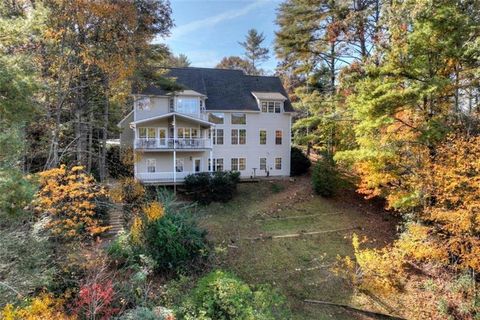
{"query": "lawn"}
pixel 246 229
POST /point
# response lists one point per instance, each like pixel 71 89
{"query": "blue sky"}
pixel 207 31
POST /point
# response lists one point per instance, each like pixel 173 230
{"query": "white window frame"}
pixel 281 137
pixel 217 113
pixel 215 136
pixel 275 163
pixel 193 164
pixel 275 106
pixel 260 163
pixel 260 136
pixel 182 161
pixel 147 130
pixel 151 163
pixel 238 114
pixel 237 141
pixel 215 164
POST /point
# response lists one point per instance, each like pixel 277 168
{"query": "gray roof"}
pixel 225 89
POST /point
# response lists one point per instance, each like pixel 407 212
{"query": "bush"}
pixel 324 177
pixel 16 191
pixel 221 295
pixel 70 198
pixel 207 187
pixel 144 313
pixel 174 241
pixel 167 234
pixel 299 162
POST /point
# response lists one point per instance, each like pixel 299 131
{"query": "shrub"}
pixel 174 241
pixel 70 198
pixel 45 306
pixel 168 235
pixel 221 295
pixel 128 191
pixel 299 162
pixel 144 313
pixel 324 178
pixel 207 187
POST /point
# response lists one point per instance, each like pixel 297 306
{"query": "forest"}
pixel 387 100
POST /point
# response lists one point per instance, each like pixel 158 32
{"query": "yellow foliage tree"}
pixel 69 198
pixel 43 307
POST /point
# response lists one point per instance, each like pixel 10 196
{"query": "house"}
pixel 218 120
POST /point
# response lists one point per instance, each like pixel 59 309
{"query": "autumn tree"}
pixel 235 63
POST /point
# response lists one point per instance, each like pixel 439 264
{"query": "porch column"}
pixel 211 151
pixel 174 151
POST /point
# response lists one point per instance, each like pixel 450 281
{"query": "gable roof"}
pixel 225 89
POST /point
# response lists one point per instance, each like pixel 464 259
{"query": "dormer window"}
pixel 271 106
pixel 144 103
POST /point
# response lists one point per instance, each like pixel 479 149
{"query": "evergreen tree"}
pixel 254 52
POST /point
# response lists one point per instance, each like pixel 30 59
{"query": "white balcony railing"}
pixel 161 176
pixel 171 143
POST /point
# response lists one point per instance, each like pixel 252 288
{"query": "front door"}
pixel 197 165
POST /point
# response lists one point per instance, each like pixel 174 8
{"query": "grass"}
pixel 299 266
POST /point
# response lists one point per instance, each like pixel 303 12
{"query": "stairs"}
pixel 115 220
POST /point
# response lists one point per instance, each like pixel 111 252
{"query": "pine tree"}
pixel 254 52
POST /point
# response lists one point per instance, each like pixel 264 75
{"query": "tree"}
pixel 254 52
pixel 235 63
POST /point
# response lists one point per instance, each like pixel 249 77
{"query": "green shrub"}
pixel 145 313
pixel 324 177
pixel 208 187
pixel 16 191
pixel 299 162
pixel 164 232
pixel 221 295
pixel 174 241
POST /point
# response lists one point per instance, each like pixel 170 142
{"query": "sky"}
pixel 208 30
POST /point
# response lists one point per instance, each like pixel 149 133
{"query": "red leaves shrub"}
pixel 96 300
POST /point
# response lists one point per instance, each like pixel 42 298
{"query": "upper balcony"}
pixel 172 143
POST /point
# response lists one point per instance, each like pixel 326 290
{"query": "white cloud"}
pixel 214 20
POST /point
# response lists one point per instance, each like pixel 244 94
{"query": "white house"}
pixel 219 120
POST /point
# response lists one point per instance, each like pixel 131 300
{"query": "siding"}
pixel 253 150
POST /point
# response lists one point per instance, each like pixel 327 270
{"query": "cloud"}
pixel 214 20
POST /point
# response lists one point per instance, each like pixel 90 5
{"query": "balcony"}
pixel 171 143
pixel 161 177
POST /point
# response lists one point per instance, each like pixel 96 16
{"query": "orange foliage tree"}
pixel 70 199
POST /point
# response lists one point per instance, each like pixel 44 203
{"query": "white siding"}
pixel 253 150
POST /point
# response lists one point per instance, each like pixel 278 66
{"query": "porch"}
pixel 172 143
pixel 164 178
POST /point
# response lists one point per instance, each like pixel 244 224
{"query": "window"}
pixel 187 133
pixel 171 104
pixel 239 164
pixel 216 117
pixel 151 164
pixel 278 163
pixel 263 164
pixel 188 105
pixel 218 136
pixel 239 136
pixel 217 164
pixel 239 118
pixel 264 106
pixel 179 165
pixel 147 133
pixel 143 104
pixel 242 163
pixel 277 107
pixel 271 106
pixel 278 136
pixel 263 136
